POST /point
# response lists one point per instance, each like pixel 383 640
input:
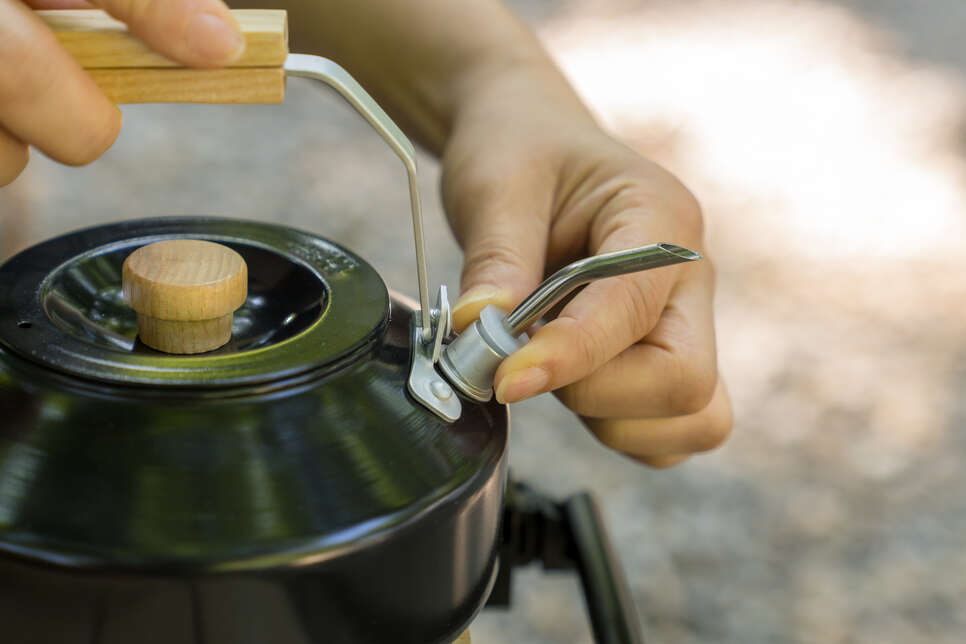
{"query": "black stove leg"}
pixel 612 613
pixel 565 536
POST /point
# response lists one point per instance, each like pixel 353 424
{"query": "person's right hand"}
pixel 48 102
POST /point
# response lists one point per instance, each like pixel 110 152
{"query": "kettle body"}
pixel 284 488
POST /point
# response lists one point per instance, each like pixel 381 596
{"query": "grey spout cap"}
pixel 471 360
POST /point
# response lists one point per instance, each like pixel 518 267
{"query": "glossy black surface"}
pixel 83 299
pixel 313 505
pixel 311 303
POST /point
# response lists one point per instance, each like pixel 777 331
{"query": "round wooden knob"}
pixel 185 292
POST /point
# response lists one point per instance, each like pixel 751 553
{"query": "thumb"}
pixel 199 33
pixel 505 246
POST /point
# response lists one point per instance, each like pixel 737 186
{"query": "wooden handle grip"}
pixel 129 72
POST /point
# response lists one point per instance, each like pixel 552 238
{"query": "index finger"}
pixel 198 33
pixel 46 99
pixel 58 4
pixel 599 323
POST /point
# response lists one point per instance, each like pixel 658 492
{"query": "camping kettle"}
pixel 335 472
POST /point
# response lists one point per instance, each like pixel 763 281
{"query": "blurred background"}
pixel 825 140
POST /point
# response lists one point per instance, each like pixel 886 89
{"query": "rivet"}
pixel 440 389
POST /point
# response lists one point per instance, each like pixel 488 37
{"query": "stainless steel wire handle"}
pixel 424 383
pixel 333 75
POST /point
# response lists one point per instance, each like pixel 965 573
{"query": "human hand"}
pixel 47 101
pixel 530 183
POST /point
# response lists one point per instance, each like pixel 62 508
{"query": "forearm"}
pixel 427 61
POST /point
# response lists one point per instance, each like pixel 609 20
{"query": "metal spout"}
pixel 470 361
pixel 558 285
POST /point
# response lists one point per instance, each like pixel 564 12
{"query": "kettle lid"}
pixel 311 304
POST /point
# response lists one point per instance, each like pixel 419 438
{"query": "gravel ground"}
pixel 825 142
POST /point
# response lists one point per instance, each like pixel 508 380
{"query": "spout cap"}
pixel 471 360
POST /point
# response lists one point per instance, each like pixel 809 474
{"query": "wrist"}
pixel 526 112
pixel 431 63
pixel 511 87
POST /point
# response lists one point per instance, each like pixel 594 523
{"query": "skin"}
pixel 530 183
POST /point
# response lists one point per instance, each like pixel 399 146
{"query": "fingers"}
pixel 199 33
pixel 13 158
pixel 58 4
pixel 662 462
pixel 672 372
pixel 599 323
pixel 46 99
pixel 501 223
pixel 662 442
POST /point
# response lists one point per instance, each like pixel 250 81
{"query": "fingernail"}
pixel 215 39
pixel 468 307
pixel 522 384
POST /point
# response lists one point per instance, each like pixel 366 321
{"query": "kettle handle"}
pixel 129 72
pixel 323 69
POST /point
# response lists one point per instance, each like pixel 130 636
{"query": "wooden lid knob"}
pixel 185 292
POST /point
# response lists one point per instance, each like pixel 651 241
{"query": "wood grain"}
pixel 98 41
pixel 128 72
pixel 185 292
pixel 177 85
pixel 177 336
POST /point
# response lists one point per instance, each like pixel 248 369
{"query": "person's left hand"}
pixel 530 184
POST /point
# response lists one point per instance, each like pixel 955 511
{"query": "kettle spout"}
pixel 471 360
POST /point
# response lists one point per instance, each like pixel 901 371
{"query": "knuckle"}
pixel 570 397
pixel 643 304
pixel 661 462
pixel 711 434
pixel 608 433
pixel 19 80
pixel 87 146
pixel 654 191
pixel 688 211
pixel 492 253
pixel 12 163
pixel 680 202
pixel 468 181
pixel 588 342
pixel 715 429
pixel 132 10
pixel 625 226
pixel 693 388
pixel 579 398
